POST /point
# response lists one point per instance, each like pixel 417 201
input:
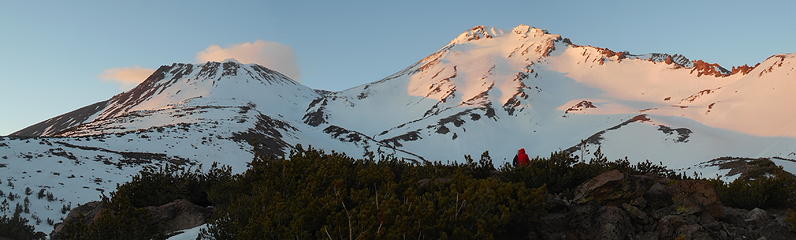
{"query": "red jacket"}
pixel 521 159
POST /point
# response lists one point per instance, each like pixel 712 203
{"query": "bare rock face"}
pixel 617 205
pixel 612 188
pixel 597 184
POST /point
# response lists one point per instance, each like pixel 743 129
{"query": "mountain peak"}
pixel 477 33
pixel 524 32
pixel 528 31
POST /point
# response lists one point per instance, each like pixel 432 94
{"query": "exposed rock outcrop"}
pixel 616 205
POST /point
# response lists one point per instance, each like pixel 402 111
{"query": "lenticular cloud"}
pixel 272 55
pixel 127 77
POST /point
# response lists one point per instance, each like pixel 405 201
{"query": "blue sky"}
pixel 53 52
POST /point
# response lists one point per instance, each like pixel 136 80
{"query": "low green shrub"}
pixel 158 186
pixel 120 220
pixel 763 185
pixel 16 227
pixel 764 192
pixel 314 196
pixel 124 216
pixel 561 172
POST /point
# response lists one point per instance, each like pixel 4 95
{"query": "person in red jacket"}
pixel 521 159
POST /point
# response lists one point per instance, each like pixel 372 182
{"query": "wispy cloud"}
pixel 126 77
pixel 272 55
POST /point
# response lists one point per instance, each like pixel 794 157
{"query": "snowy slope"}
pixel 501 90
pixel 486 90
pixel 191 115
pixel 47 176
pixel 216 100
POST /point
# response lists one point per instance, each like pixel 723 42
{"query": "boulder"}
pixel 598 187
pixel 179 215
pixel 734 216
pixel 668 226
pixel 657 196
pixel 695 196
pixel 613 223
pixel 756 215
pixel 637 213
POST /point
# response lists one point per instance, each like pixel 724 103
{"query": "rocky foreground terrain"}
pixel 611 205
pixel 615 205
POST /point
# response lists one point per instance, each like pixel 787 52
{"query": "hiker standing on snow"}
pixel 521 159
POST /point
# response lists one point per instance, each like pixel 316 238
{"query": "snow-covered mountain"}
pixel 494 90
pixel 486 90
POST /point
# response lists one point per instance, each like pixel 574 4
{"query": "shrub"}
pixel 119 220
pixel 124 216
pixel 314 195
pixel 762 185
pixel 158 186
pixel 765 192
pixel 16 227
pixel 562 172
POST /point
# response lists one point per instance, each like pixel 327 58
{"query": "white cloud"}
pixel 276 56
pixel 127 77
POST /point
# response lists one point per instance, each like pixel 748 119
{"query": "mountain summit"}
pixel 221 83
pixel 486 90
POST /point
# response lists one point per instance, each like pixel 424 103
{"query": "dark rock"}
pixel 692 231
pixel 613 224
pixel 647 236
pixel 694 196
pixel 596 187
pixel 554 226
pixel 637 213
pixel 756 215
pixel 668 226
pixel 616 205
pixel 639 202
pixel 266 136
pixel 555 203
pixel 734 216
pixel 657 196
pixel 178 215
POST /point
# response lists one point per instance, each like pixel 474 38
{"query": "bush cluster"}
pixel 120 220
pixel 314 195
pixel 16 227
pixel 561 172
pixel 124 216
pixel 764 186
pixel 767 192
